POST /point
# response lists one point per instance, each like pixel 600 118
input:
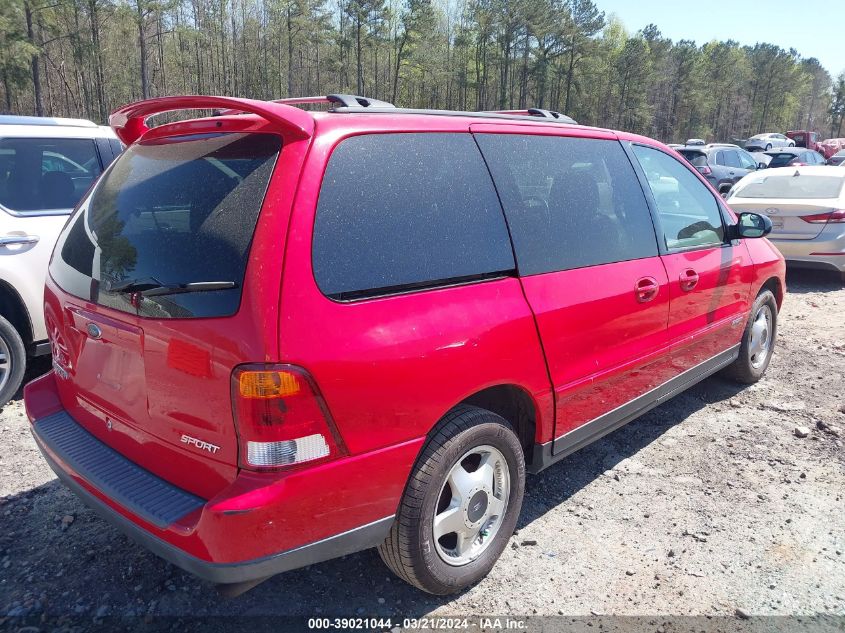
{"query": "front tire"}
pixel 758 341
pixel 12 361
pixel 460 505
pixel 768 147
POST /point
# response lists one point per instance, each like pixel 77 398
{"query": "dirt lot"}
pixel 710 505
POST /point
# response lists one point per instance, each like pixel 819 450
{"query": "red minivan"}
pixel 280 336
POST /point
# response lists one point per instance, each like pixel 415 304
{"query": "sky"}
pixel 815 28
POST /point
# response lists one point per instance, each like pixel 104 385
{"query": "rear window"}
pixel 696 159
pixel 781 160
pixel 790 186
pixel 399 212
pixel 43 174
pixel 172 219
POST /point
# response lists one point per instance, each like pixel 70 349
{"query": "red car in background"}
pixel 805 138
pixel 281 336
pixel 831 146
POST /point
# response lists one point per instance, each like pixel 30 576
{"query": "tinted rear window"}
pixel 781 160
pixel 696 159
pixel 570 202
pixel 790 186
pixel 404 211
pixel 175 211
pixel 41 174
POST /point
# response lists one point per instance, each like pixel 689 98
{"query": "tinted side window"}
pixel 570 202
pixel 38 174
pixel 720 158
pixel 732 158
pixel 398 211
pixel 689 214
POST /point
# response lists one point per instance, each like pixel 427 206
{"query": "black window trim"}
pixel 418 287
pixel 652 204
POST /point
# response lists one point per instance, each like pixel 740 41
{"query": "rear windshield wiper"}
pixel 152 287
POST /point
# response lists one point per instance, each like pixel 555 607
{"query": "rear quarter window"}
pixel 407 211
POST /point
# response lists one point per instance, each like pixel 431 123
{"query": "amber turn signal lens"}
pixel 268 384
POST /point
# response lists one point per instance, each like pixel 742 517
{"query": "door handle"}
pixel 16 240
pixel 647 289
pixel 689 280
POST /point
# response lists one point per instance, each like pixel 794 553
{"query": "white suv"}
pixel 46 165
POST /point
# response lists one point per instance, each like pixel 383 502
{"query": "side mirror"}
pixel 761 165
pixel 751 226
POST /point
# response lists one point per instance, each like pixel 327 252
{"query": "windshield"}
pixel 167 231
pixel 43 174
pixel 789 186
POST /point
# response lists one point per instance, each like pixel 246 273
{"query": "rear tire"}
pixel 435 488
pixel 758 341
pixel 12 361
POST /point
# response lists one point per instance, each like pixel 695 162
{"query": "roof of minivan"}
pixel 130 121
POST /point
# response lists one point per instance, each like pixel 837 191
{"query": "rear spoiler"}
pixel 129 122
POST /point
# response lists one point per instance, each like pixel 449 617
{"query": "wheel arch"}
pixel 774 285
pixel 515 405
pixel 13 309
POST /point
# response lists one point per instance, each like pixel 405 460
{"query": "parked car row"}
pixel 281 336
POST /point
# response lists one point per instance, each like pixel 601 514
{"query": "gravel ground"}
pixel 710 505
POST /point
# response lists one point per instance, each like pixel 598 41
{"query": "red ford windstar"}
pixel 280 336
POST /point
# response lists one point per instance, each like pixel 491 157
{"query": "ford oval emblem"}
pixel 770 211
pixel 94 331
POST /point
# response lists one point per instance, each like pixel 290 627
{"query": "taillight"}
pixel 833 217
pixel 705 171
pixel 282 419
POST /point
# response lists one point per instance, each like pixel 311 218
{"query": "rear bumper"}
pixel 260 525
pixel 826 250
pixel 355 540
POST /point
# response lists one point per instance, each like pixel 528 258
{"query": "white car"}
pixel 46 165
pixel 765 142
pixel 806 205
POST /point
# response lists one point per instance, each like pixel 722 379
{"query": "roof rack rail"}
pixel 342 100
pixel 538 112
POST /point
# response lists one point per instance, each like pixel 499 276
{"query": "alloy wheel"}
pixel 761 331
pixel 5 363
pixel 471 506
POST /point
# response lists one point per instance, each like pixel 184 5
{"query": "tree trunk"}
pixel 142 43
pixel 569 74
pixel 35 62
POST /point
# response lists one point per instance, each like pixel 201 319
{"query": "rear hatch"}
pixel 796 202
pixel 144 302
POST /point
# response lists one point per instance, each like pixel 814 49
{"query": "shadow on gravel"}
pixel 555 485
pixel 802 281
pixel 64 560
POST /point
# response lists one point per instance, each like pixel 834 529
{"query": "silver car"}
pixel 807 208
pixel 765 142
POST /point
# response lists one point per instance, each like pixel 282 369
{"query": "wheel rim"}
pixel 5 363
pixel 761 337
pixel 471 506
